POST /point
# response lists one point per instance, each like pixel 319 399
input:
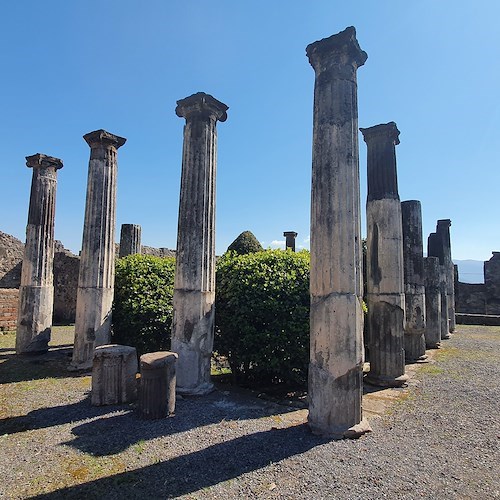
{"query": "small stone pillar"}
pixel 194 287
pixel 435 248
pixel 385 272
pixel 36 294
pixel 336 354
pixel 114 372
pixel 130 240
pixel 443 232
pixel 290 240
pixel 413 258
pixel 157 389
pixel 97 259
pixel 432 275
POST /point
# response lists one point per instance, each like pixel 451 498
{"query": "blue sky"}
pixel 70 67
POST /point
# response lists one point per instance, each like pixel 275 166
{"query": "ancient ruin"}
pixel 36 294
pixel 336 357
pixel 432 281
pixel 130 240
pixel 194 288
pixel 97 261
pixel 443 232
pixel 384 285
pixel 290 240
pixel 413 259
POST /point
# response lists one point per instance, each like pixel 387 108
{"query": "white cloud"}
pixel 278 243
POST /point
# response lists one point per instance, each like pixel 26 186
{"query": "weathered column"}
pixel 336 355
pixel 36 294
pixel 97 260
pixel 432 275
pixel 384 285
pixel 435 248
pixel 290 240
pixel 130 240
pixel 413 258
pixel 443 231
pixel 194 287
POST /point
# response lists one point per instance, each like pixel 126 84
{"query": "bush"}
pixel 142 308
pixel 245 243
pixel 262 316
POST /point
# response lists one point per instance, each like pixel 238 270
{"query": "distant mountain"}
pixel 470 271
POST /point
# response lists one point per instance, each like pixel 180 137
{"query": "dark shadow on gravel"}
pixel 193 472
pixel 113 434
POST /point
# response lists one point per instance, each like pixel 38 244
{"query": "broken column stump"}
pixel 157 387
pixel 130 240
pixel 114 372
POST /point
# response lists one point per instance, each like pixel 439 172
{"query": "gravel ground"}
pixel 440 439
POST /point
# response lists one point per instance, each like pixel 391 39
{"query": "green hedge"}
pixel 245 243
pixel 262 316
pixel 142 309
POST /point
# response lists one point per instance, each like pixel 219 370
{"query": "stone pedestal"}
pixel 114 372
pixel 385 287
pixel 336 355
pixel 413 258
pixel 157 389
pixel 36 294
pixel 194 288
pixel 290 240
pixel 97 260
pixel 432 281
pixel 130 240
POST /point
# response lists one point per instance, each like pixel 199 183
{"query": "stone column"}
pixel 290 240
pixel 435 248
pixel 432 275
pixel 385 284
pixel 443 231
pixel 36 294
pixel 97 260
pixel 413 258
pixel 130 240
pixel 336 355
pixel 194 287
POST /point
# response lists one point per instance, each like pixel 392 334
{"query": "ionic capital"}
pixel 101 137
pixel 201 106
pixel 43 161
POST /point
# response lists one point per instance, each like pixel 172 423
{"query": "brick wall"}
pixel 8 308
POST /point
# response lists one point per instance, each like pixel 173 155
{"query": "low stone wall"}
pixel 9 298
pixel 478 319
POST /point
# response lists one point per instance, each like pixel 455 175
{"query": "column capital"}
pixel 383 132
pixel 443 223
pixel 342 48
pixel 43 161
pixel 201 105
pixel 102 137
pixel 290 233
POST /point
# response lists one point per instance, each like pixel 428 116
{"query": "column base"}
pixel 420 359
pixel 381 381
pixel 354 432
pixel 433 345
pixel 446 336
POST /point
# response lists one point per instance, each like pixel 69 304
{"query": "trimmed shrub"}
pixel 142 308
pixel 262 316
pixel 245 243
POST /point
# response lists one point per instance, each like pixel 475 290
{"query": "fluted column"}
pixel 290 240
pixel 336 354
pixel 130 240
pixel 432 274
pixel 97 260
pixel 443 232
pixel 413 257
pixel 194 287
pixel 385 286
pixel 36 294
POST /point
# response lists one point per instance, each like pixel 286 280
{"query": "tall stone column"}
pixel 194 287
pixel 443 231
pixel 336 354
pixel 97 261
pixel 130 240
pixel 435 248
pixel 290 240
pixel 432 274
pixel 413 258
pixel 36 294
pixel 385 272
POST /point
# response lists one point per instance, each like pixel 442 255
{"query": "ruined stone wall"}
pixel 66 268
pixel 9 298
pixel 470 298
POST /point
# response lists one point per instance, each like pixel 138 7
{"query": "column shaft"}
pixel 443 232
pixel 194 288
pixel 130 240
pixel 97 260
pixel 36 294
pixel 336 355
pixel 432 302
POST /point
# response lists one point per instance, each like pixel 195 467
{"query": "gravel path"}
pixel 439 440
